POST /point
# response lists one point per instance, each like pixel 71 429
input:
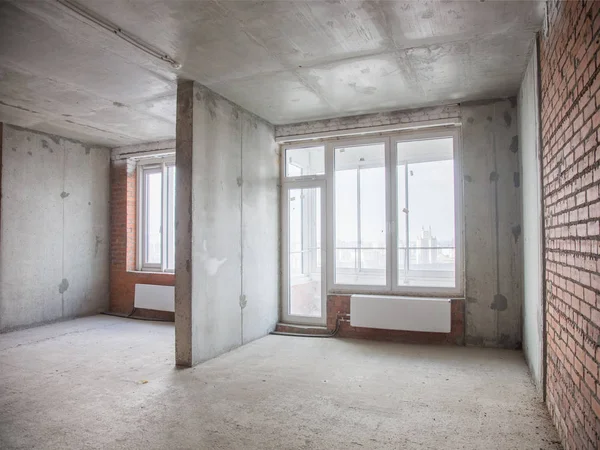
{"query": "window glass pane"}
pixel 304 252
pixel 153 191
pixel 170 263
pixel 426 248
pixel 360 215
pixel 305 161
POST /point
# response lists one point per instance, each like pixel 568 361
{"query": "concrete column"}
pixel 183 225
pixel 216 307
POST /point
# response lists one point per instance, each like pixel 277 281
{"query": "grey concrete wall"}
pixel 492 214
pixel 529 150
pixel 227 281
pixel 54 228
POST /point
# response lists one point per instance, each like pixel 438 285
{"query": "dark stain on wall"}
pixel 98 242
pixel 516 232
pixel 507 119
pixel 63 286
pixel 514 144
pixel 500 303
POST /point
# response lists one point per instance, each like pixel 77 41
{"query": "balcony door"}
pixel 304 253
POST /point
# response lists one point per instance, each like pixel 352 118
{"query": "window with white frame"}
pixel 156 214
pixel 393 210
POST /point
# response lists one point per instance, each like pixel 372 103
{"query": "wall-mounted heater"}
pixel 400 313
pixel 152 296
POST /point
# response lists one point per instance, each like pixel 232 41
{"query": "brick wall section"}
pixel 570 113
pixel 338 306
pixel 369 120
pixel 123 276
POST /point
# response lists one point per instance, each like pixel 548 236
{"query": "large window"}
pixel 156 214
pixel 426 219
pixel 360 215
pixel 392 213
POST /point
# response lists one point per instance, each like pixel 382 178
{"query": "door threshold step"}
pixel 301 329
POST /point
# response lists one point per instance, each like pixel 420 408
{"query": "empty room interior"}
pixel 299 224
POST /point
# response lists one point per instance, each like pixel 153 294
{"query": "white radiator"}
pixel 152 296
pixel 400 313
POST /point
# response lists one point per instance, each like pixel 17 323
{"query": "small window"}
pixel 156 213
pixel 307 161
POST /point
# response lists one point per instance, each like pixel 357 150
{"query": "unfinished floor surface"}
pixel 105 382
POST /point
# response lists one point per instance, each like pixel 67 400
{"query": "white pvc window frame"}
pixel 312 182
pixel 327 180
pixel 144 167
pixel 454 133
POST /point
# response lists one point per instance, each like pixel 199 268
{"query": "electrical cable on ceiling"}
pixel 117 31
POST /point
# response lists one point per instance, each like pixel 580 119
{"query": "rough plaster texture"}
pixel 530 156
pixel 285 61
pixel 227 271
pixel 118 389
pixel 54 225
pixel 492 215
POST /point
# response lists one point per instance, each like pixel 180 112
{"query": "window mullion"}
pixel 139 241
pixel 392 217
pixel 164 215
pixel 330 216
pixel 358 254
pixel 407 221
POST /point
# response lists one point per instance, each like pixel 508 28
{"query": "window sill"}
pixel 348 293
pixel 150 272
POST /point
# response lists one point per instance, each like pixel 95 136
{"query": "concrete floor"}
pixel 105 382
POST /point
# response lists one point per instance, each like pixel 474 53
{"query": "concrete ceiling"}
pixel 285 61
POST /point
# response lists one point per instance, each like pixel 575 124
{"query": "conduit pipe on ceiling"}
pixel 117 31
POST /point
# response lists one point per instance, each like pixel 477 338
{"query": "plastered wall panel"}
pixel 529 150
pixel 44 228
pixel 260 228
pixel 86 228
pixel 492 223
pixel 228 214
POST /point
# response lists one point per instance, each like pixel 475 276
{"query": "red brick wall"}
pixel 570 91
pixel 338 307
pixel 123 276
